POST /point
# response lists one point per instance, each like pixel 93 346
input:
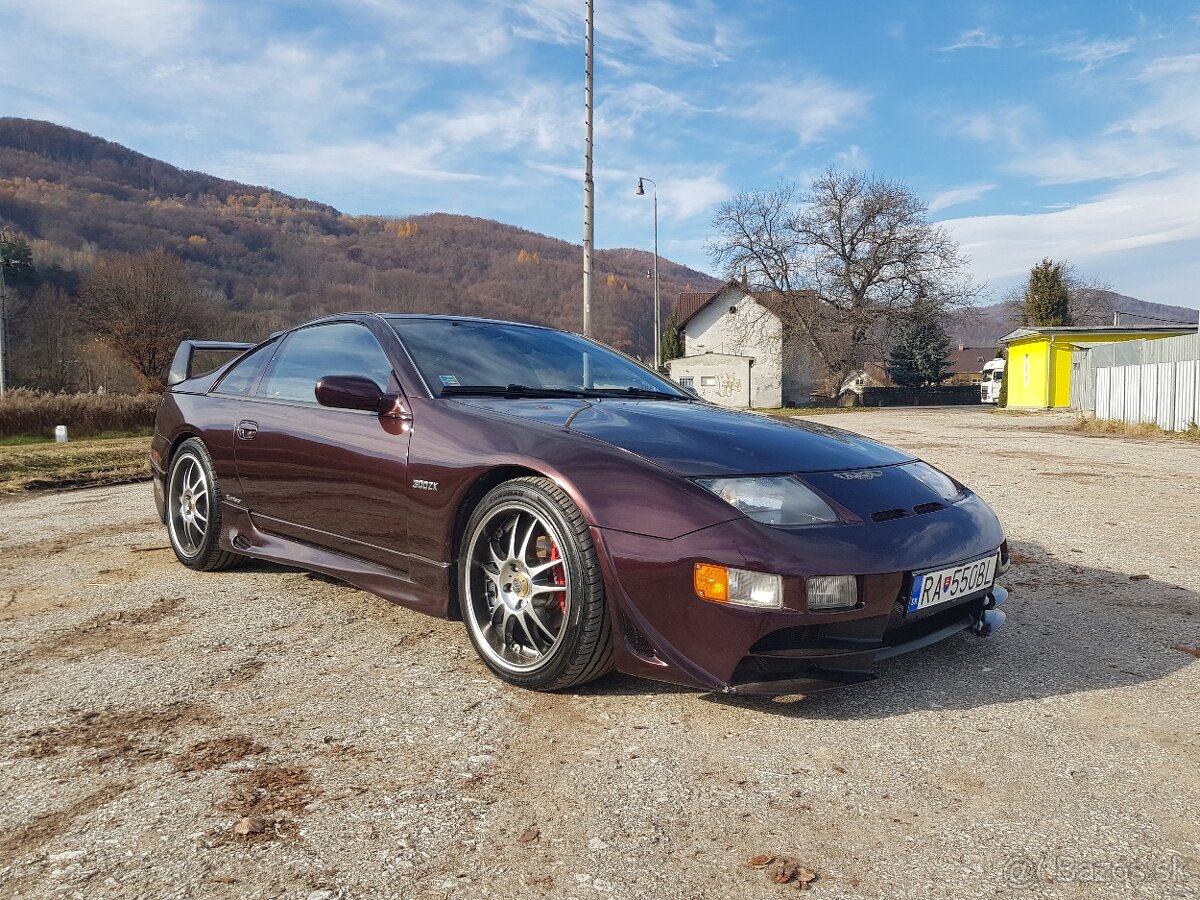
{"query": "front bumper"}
pixel 671 635
pixel 833 656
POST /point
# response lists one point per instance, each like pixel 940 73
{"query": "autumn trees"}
pixel 846 262
pixel 141 305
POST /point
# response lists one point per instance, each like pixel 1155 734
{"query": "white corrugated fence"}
pixel 1163 389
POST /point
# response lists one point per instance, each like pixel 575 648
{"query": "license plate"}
pixel 933 588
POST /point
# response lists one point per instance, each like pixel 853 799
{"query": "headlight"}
pixel 940 484
pixel 722 584
pixel 776 500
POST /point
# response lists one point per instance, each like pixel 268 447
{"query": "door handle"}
pixel 246 430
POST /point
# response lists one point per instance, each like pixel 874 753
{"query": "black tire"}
pixel 581 649
pixel 194 510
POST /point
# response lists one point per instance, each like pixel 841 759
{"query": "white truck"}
pixel 989 388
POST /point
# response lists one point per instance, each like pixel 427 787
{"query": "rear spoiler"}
pixel 181 365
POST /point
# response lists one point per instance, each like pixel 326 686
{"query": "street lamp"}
pixel 641 192
pixel 3 292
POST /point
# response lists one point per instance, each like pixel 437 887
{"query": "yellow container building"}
pixel 1039 359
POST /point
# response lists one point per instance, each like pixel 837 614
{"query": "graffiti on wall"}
pixel 723 386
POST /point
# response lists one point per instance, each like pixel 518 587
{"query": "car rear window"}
pixel 240 378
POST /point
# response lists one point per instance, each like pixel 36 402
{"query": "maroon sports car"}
pixel 575 510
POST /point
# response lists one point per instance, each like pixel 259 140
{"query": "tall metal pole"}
pixel 589 188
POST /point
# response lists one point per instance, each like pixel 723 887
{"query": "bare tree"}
pixel 51 340
pixel 141 306
pixel 845 263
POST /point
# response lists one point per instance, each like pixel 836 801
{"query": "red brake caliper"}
pixel 560 578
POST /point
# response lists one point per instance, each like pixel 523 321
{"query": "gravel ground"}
pixel 268 733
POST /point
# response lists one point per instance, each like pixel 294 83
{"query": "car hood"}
pixel 698 439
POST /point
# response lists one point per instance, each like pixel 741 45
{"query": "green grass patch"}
pixel 16 440
pixel 88 463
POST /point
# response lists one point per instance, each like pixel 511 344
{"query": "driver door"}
pixel 335 478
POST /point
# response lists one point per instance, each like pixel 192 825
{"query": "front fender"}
pixel 613 488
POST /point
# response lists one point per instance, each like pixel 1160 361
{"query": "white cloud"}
pixel 671 31
pixel 1070 162
pixel 811 107
pixel 967 193
pixel 1009 125
pixel 1167 66
pixel 976 38
pixel 139 27
pixel 1175 111
pixel 447 32
pixel 1160 135
pixel 1139 214
pixel 621 112
pixel 684 197
pixel 1092 52
pixel 852 158
pixel 360 162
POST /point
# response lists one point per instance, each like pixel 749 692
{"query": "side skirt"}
pixel 425 589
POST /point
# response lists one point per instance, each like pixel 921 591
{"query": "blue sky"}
pixel 1070 130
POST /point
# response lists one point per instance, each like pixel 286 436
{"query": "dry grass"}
pixel 1103 427
pixel 35 413
pixel 817 410
pixel 29 467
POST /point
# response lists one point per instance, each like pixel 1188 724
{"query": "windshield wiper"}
pixel 512 390
pixel 524 390
pixel 638 393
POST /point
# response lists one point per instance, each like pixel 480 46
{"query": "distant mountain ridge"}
pixel 266 260
pixel 983 326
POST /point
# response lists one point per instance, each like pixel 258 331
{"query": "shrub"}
pixel 36 413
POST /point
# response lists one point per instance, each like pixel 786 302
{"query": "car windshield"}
pixel 457 356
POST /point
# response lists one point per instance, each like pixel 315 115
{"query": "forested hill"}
pixel 265 260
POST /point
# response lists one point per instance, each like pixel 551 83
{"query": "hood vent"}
pixel 888 515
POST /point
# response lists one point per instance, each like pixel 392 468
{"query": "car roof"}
pixel 417 317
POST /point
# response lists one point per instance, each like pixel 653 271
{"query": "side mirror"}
pixel 357 392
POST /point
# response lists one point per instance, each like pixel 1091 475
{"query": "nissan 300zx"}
pixel 575 510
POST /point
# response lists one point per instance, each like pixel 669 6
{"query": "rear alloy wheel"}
pixel 194 510
pixel 530 588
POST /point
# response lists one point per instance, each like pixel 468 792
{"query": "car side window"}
pixel 240 377
pixel 307 355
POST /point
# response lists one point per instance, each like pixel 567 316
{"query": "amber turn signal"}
pixel 711 582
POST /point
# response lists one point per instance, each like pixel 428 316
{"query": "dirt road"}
pixel 266 733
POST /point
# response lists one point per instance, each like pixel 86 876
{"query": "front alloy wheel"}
pixel 530 588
